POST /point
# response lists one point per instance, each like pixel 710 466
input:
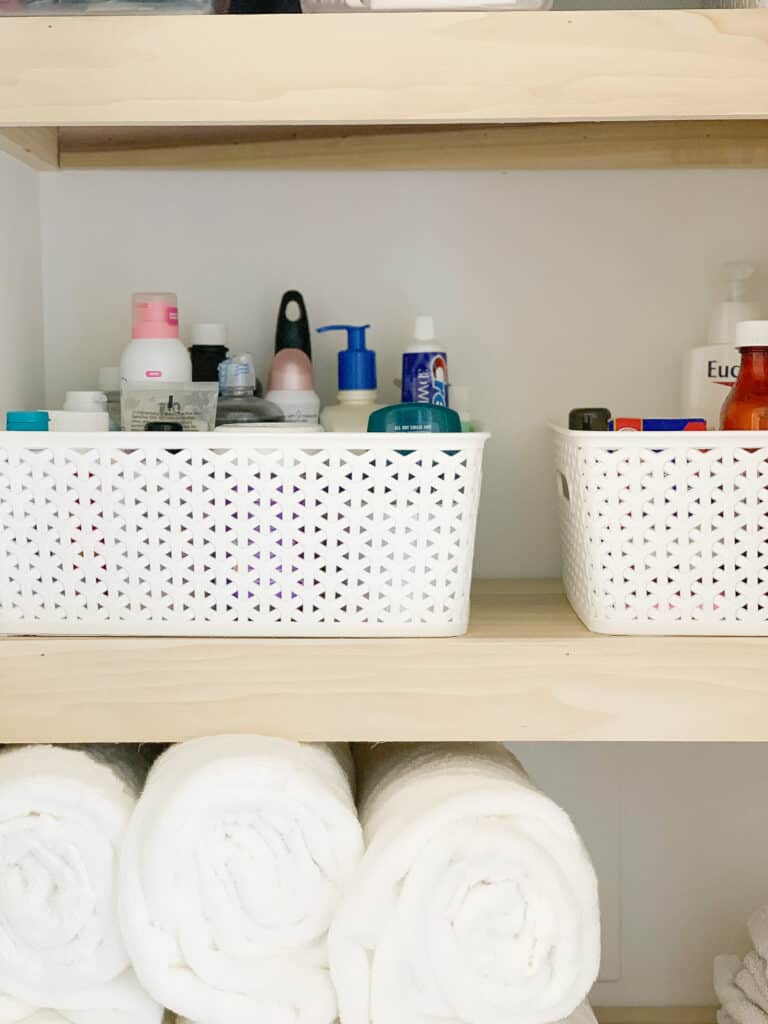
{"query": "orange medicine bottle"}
pixel 746 407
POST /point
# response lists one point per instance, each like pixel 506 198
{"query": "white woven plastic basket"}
pixel 287 535
pixel 665 533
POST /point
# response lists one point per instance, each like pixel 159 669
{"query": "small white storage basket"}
pixel 665 532
pixel 226 535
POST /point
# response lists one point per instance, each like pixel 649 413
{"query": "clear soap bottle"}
pixel 238 402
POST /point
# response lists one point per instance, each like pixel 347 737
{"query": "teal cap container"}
pixel 414 418
pixel 26 420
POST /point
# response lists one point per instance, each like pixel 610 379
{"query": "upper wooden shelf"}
pixel 527 670
pixel 412 90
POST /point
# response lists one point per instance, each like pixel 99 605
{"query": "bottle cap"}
pixel 237 372
pixel 595 418
pixel 414 418
pixel 424 328
pixel 291 370
pixel 206 359
pixel 26 419
pixel 155 315
pixel 752 334
pixel 293 333
pixel 109 378
pixel 209 334
pixel 357 364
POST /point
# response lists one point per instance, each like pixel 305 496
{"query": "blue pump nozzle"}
pixel 357 364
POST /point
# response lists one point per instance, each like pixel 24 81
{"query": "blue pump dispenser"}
pixel 357 364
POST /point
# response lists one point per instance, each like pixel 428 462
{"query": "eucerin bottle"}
pixel 710 370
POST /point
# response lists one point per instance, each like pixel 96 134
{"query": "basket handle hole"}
pixel 563 488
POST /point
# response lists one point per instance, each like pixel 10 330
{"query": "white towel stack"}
pixel 232 869
pixel 63 815
pixel 742 985
pixel 475 900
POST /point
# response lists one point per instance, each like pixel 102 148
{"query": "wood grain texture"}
pixel 656 1014
pixel 38 147
pixel 527 670
pixel 627 1015
pixel 444 68
pixel 611 144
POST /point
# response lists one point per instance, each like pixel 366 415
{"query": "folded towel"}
pixel 63 815
pixel 742 985
pixel 230 874
pixel 475 900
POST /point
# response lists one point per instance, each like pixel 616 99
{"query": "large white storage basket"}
pixel 286 535
pixel 665 533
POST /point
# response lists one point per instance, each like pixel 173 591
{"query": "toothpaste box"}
pixel 637 423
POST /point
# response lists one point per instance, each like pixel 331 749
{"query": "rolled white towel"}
pixel 63 815
pixel 233 866
pixel 475 900
pixel 17 1013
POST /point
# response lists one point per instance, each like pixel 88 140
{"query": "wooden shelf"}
pixel 527 670
pixel 514 89
pixel 624 1015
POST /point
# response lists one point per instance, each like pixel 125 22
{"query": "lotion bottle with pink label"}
pixel 155 352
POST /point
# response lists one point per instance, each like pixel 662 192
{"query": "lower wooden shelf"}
pixel 627 1015
pixel 527 670
pixel 656 1014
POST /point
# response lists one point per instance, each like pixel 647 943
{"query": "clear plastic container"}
pixel 238 402
pixel 352 6
pixel 242 406
pixel 47 8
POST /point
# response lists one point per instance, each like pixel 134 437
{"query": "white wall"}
pixel 21 320
pixel 679 838
pixel 551 290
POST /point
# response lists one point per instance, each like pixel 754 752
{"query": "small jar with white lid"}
pixel 85 401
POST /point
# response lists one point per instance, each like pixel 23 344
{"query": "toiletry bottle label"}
pixel 425 378
pixel 722 373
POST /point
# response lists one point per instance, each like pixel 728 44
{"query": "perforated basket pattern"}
pixel 665 533
pixel 292 536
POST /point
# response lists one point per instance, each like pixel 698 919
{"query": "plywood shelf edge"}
pixel 595 145
pixel 542 89
pixel 394 69
pixel 527 670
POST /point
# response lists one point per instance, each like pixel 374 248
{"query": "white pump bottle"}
pixel 710 370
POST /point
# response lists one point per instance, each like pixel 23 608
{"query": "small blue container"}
pixel 27 420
